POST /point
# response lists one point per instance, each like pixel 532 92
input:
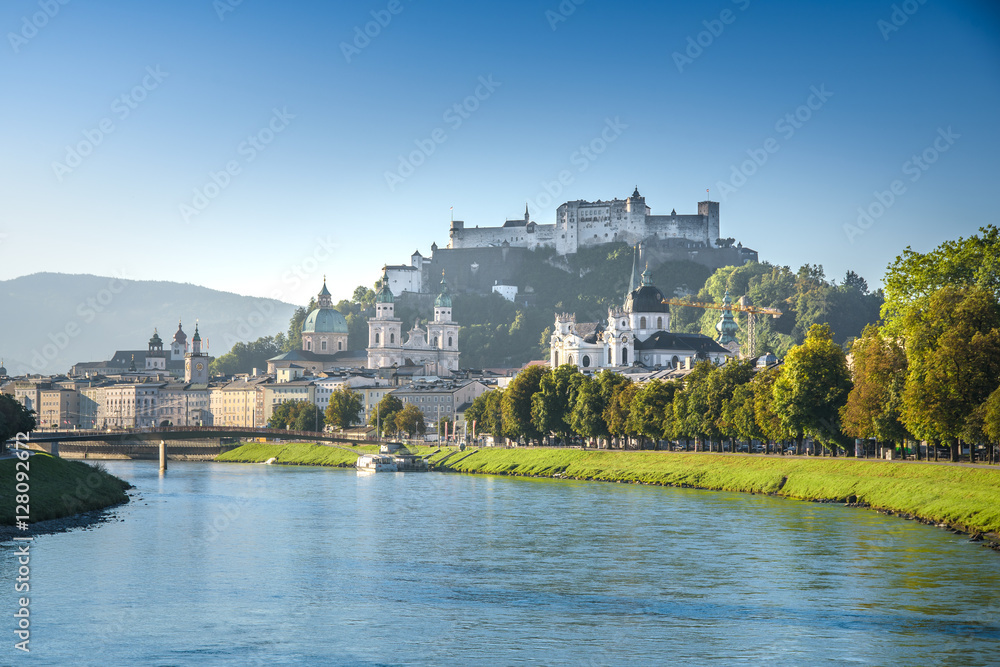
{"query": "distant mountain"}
pixel 50 321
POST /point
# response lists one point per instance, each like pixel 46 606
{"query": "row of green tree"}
pixel 344 410
pixel 709 406
pixel 930 370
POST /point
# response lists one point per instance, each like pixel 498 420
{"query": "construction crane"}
pixel 742 306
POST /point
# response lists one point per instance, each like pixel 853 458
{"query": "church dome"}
pixel 325 320
pixel 3 371
pixel 155 341
pixel 384 293
pixel 647 299
pixel 444 299
pixel 180 336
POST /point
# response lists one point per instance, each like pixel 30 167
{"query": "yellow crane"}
pixel 742 306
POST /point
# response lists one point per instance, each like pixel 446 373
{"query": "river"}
pixel 230 564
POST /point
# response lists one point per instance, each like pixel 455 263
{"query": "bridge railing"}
pixel 252 431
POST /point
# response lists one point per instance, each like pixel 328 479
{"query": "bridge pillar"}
pixel 163 455
pixel 54 451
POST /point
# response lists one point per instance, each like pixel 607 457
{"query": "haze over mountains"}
pixel 54 320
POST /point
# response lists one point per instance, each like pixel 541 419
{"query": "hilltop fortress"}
pixel 581 224
pixel 484 259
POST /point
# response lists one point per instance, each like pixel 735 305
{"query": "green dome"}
pixel 384 293
pixel 444 299
pixel 325 320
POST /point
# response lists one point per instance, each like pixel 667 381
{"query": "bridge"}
pixel 124 440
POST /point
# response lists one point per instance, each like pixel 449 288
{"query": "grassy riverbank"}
pixel 58 488
pixel 296 453
pixel 966 498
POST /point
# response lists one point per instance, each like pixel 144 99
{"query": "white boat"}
pixel 376 463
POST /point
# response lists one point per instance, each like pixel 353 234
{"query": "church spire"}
pixel 635 281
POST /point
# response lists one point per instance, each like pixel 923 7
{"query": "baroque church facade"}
pixel 434 347
pixel 637 334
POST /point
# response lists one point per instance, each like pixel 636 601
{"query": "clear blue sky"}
pixel 118 211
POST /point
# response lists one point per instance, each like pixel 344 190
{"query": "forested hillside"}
pixel 498 333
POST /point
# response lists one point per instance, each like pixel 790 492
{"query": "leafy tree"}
pixel 991 417
pixel 765 414
pixel 587 415
pixel 740 416
pixel 308 418
pixel 953 346
pixel 552 404
pixel 690 406
pixel 384 416
pixel 516 404
pixel 720 386
pixel 812 387
pixel 874 404
pixel 617 411
pixel 344 409
pixel 914 277
pixel 14 418
pixel 295 415
pixel 649 407
pixel 410 420
pixel 493 417
pixel 244 357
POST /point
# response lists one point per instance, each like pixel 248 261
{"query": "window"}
pixel 449 341
pixel 323 345
pixel 624 356
pixel 586 361
pixel 659 323
pixel 392 338
pixel 642 322
pixel 435 341
pixel 555 359
pixel 340 345
pixel 376 339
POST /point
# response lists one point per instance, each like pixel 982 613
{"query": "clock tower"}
pixel 196 361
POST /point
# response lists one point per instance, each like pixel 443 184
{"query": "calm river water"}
pixel 225 564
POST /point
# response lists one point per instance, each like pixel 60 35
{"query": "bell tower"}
pixel 196 361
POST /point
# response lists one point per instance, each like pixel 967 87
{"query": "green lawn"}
pixel 58 488
pixel 300 453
